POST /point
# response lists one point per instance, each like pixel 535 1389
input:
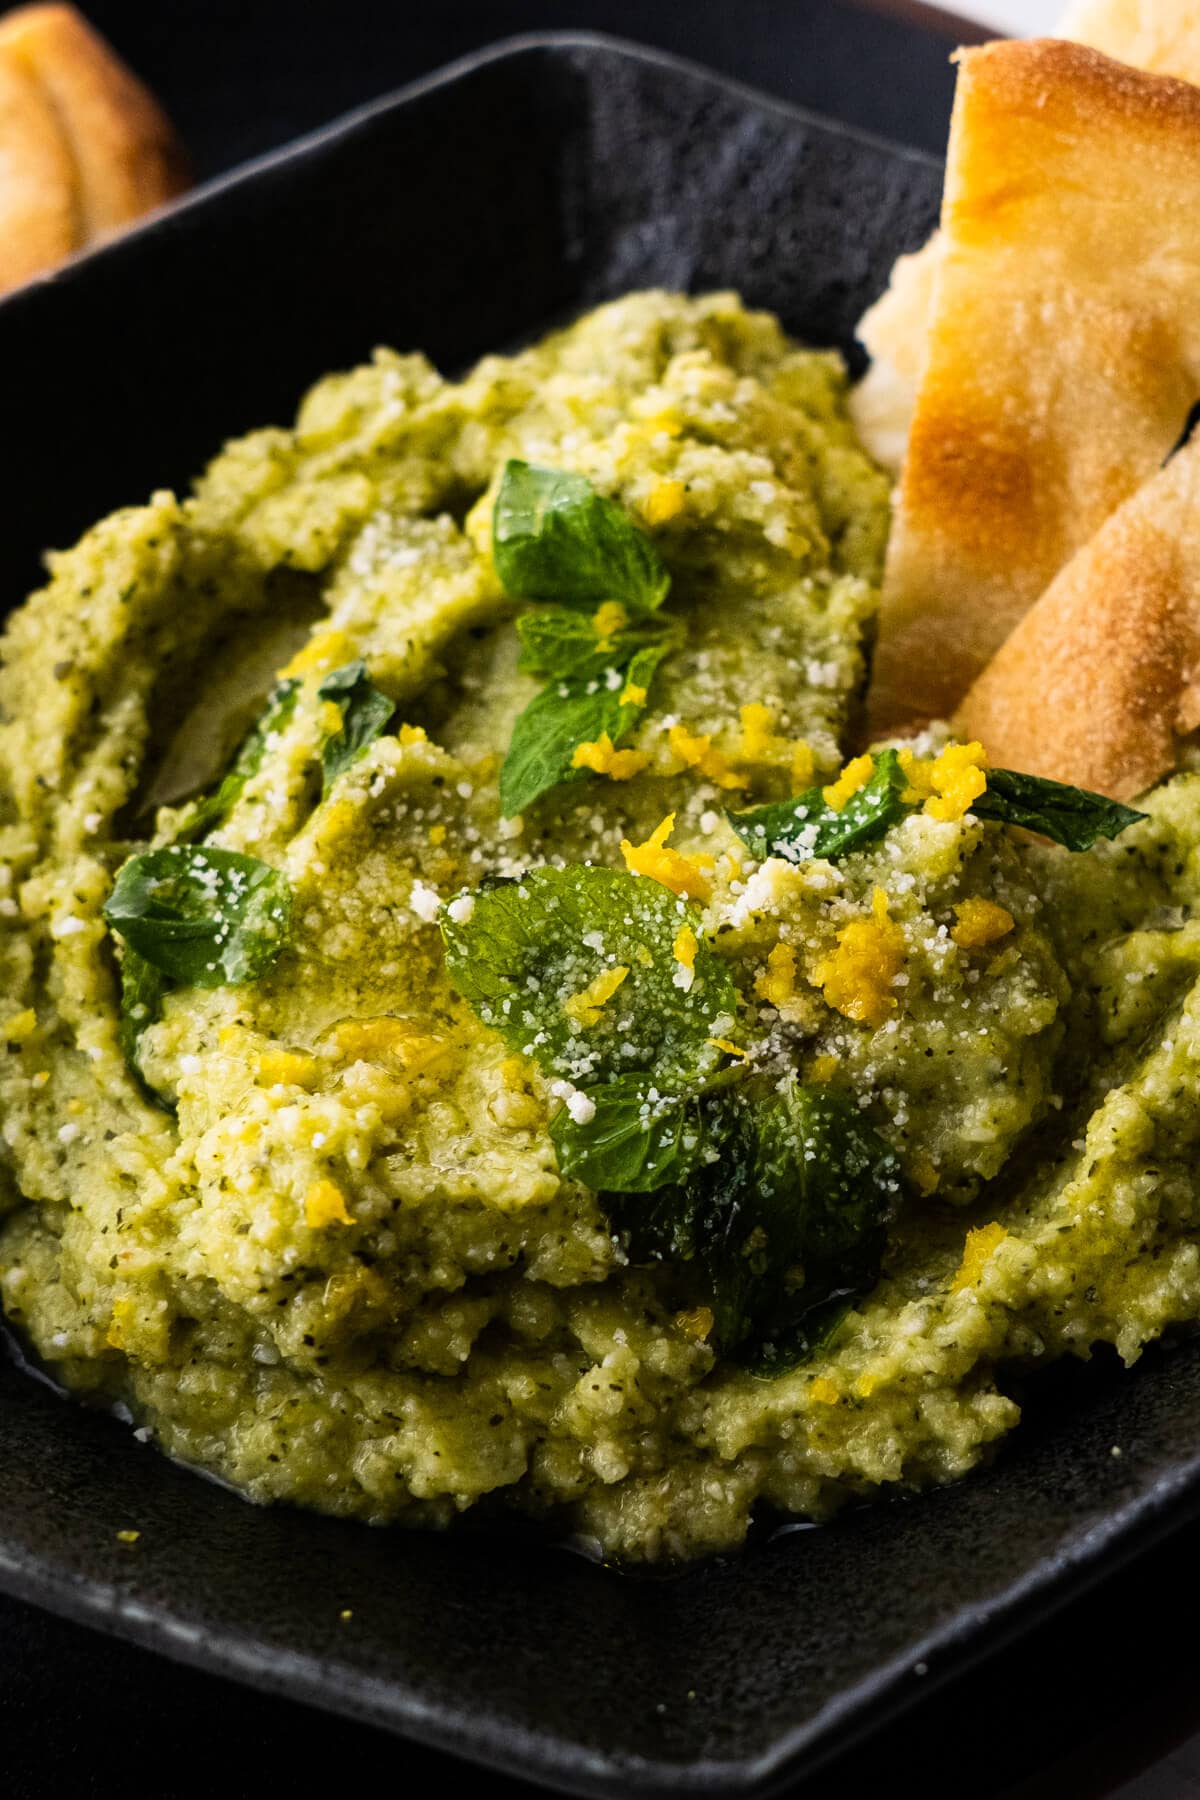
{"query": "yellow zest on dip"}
pixel 857 977
pixel 602 759
pixel 689 875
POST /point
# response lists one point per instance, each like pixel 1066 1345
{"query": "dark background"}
pixel 1082 1705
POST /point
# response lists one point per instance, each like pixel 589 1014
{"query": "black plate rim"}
pixel 519 45
pixel 890 1688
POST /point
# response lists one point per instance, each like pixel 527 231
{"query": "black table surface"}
pixel 1101 1700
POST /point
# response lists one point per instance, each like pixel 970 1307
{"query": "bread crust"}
pixel 1160 36
pixel 38 223
pixel 1063 356
pixel 1101 679
pixel 84 147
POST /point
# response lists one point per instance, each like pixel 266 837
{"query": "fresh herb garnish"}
pixel 142 990
pixel 204 815
pixel 201 916
pixel 559 643
pixel 777 1195
pixel 785 1218
pixel 575 710
pixel 806 827
pixel 1070 816
pixel 557 541
pixel 641 1136
pixel 366 714
pixel 555 538
pixel 531 951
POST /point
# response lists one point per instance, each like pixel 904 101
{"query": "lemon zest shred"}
pixel 946 784
pixel 854 776
pixel 602 758
pixel 325 1204
pixel 856 978
pixel 321 653
pixel 695 751
pixel 665 501
pixel 980 922
pixel 609 618
pixel 687 875
pixel 585 1007
pixel 685 946
pixel 977 1251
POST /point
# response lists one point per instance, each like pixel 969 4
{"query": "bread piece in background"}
pixel 1160 36
pixel 1100 681
pixel 37 175
pixel 84 147
pixel 1063 354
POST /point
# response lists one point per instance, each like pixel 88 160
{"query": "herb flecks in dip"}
pixel 469 1033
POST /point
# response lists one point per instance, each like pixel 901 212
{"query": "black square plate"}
pixel 528 183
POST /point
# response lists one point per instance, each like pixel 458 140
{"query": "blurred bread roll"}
pixel 84 148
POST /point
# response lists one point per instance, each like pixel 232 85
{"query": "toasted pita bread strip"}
pixel 1064 353
pixel 1160 36
pixel 1099 681
pixel 38 226
pixel 84 148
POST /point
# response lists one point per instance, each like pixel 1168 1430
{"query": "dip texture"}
pixel 310 1228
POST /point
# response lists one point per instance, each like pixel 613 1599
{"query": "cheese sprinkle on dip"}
pixel 472 1030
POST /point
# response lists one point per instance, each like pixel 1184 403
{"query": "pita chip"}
pixel 1101 679
pixel 1063 356
pixel 1160 36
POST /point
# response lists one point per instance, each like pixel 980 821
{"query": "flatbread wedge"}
pixel 1100 681
pixel 1160 36
pixel 84 148
pixel 1063 357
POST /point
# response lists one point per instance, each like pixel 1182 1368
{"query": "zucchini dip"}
pixel 473 1032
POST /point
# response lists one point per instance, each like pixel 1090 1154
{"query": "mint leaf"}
pixel 555 538
pixel 804 828
pixel 558 642
pixel 576 710
pixel 204 815
pixel 641 1137
pixel 142 990
pixel 366 714
pixel 785 1226
pixel 204 917
pixel 531 946
pixel 1071 816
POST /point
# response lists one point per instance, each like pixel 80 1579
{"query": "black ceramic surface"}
pixel 465 215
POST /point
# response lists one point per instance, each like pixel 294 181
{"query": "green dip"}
pixel 302 1213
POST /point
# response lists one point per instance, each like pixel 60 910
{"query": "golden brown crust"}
pixel 1064 352
pixel 86 140
pixel 1160 36
pixel 1099 680
pixel 38 225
